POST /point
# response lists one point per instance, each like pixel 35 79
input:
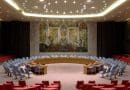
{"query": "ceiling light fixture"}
pixel 106 11
pixel 88 1
pixel 41 0
pixel 65 1
pixel 13 4
pixel 74 2
pixel 92 7
pixel 56 2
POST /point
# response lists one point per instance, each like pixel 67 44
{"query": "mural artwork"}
pixel 67 36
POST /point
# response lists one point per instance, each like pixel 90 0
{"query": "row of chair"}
pixel 44 85
pixel 12 67
pixel 114 85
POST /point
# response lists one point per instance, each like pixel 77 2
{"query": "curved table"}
pixel 43 61
pixel 64 60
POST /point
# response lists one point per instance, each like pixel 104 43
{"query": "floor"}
pixel 67 73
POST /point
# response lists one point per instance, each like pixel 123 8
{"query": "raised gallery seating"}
pixel 125 58
pixel 44 85
pixel 96 86
pixel 5 58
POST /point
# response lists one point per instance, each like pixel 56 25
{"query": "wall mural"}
pixel 63 36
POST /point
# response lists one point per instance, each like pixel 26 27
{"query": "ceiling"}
pixel 88 10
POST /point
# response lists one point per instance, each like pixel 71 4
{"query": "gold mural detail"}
pixel 63 37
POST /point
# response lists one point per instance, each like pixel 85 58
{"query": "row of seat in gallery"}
pixel 56 85
pixel 113 85
pixel 125 58
pixel 4 58
pixel 44 85
pixel 12 67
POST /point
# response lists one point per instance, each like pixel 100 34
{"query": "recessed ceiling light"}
pixel 49 3
pixel 26 1
pixel 92 7
pixel 57 11
pixel 41 0
pixel 88 0
pixel 65 1
pixel 56 2
pixel 44 6
pixel 64 12
pixel 74 2
pixel 36 7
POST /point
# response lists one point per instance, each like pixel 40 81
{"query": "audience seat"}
pixel 91 81
pixel 2 87
pixel 46 83
pixel 22 83
pixel 8 86
pixel 114 82
pixel 88 86
pixel 79 84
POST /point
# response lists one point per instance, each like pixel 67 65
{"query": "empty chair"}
pixel 88 86
pixel 125 82
pixel 114 82
pixel 79 84
pixel 2 87
pixel 46 83
pixel 57 82
pixel 11 82
pixel 91 81
pixel 22 83
pixel 8 86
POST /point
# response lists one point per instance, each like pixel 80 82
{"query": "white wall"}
pixel 34 39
